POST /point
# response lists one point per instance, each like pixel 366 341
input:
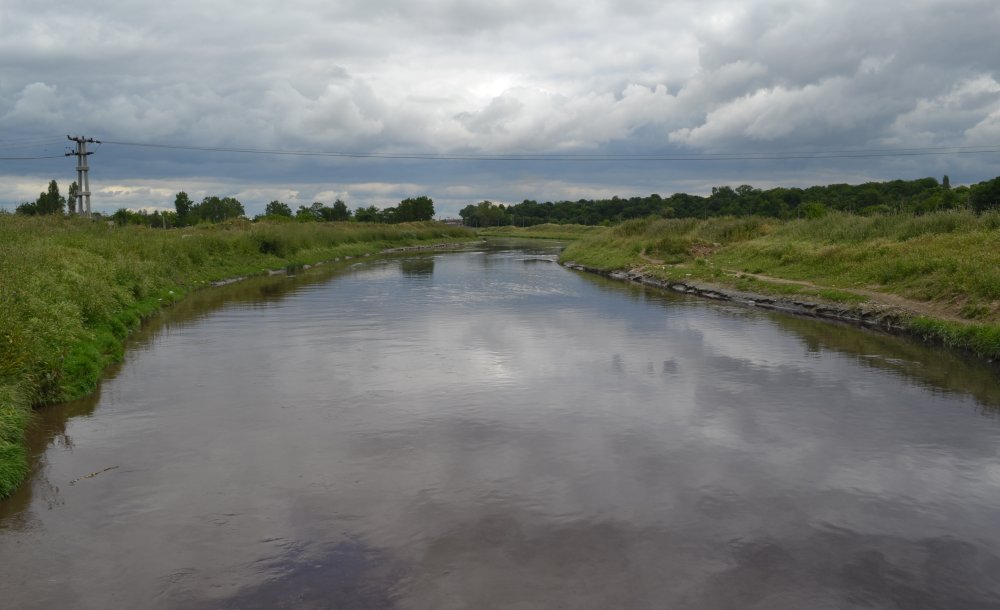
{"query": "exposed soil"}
pixel 921 308
pixel 885 313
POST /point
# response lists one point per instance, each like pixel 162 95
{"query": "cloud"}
pixel 509 76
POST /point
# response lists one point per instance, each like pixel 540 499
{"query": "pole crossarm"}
pixel 82 203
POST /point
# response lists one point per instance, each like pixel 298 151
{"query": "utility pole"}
pixel 82 177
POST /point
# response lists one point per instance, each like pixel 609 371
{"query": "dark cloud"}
pixel 499 77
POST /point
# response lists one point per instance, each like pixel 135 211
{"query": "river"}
pixel 486 429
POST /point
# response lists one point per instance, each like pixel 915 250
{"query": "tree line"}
pixel 215 209
pixel 49 201
pixel 408 210
pixel 906 196
pixel 900 196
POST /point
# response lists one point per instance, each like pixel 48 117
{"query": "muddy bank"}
pixel 870 315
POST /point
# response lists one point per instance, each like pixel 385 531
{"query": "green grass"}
pixel 544 231
pixel 672 241
pixel 949 257
pixel 71 291
pixel 980 339
pixel 949 261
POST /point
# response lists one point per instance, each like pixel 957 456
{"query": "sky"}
pixel 656 88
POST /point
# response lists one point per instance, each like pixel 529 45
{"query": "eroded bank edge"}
pixel 983 340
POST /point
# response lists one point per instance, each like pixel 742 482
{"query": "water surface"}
pixel 486 429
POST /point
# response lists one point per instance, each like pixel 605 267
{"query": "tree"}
pixel 323 212
pixel 985 195
pixel 340 211
pixel 51 202
pixel 28 208
pixel 369 214
pixel 122 217
pixel 813 209
pixel 277 208
pixel 183 205
pixel 305 214
pixel 71 197
pixel 217 209
pixel 413 209
pixel 48 202
pixel 484 214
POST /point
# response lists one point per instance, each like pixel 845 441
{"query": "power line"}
pixel 564 157
pixel 31 158
pixel 533 157
pixel 744 156
pixel 38 142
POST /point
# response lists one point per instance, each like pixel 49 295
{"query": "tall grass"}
pixel 544 231
pixel 949 260
pixel 670 240
pixel 949 257
pixel 71 290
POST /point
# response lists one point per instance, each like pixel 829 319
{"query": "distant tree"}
pixel 413 209
pixel 277 208
pixel 124 216
pixel 323 212
pixel 946 182
pixel 305 214
pixel 183 205
pixel 71 197
pixel 468 216
pixel 484 214
pixel 121 217
pixel 48 202
pixel 340 211
pixel 28 208
pixel 813 210
pixel 218 209
pixel 368 214
pixel 163 219
pixel 985 195
pixel 51 202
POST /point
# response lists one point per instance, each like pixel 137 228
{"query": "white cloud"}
pixel 506 76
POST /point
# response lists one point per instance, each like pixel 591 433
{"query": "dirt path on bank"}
pixel 922 308
pixel 894 301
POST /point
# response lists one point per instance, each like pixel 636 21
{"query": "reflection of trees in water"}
pixel 937 368
pixel 417 267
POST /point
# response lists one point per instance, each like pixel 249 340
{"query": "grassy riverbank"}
pixel 941 270
pixel 543 231
pixel 71 290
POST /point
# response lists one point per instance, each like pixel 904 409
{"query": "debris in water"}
pixel 91 475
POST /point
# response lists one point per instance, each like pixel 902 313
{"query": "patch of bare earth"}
pixel 649 259
pixel 702 250
pixel 941 311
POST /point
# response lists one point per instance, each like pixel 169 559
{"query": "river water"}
pixel 486 429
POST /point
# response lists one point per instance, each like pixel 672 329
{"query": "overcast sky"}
pixel 500 77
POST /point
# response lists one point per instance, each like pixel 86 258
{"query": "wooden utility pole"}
pixel 82 169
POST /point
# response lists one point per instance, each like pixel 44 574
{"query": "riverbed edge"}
pixel 978 339
pixel 93 360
